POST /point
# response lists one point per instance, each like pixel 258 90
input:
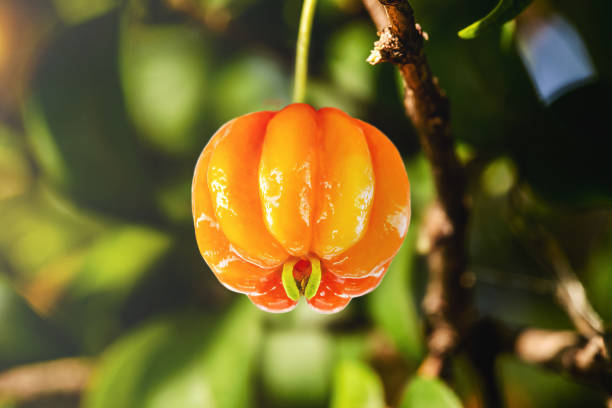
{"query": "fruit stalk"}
pixel 302 47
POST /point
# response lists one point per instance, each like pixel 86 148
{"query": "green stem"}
pixel 301 55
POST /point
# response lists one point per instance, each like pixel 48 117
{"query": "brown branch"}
pixel 570 292
pixel 586 358
pixel 447 303
pixel 377 13
pixel 568 353
pixel 215 18
pixel 59 379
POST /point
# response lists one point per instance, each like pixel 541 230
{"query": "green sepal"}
pixel 291 288
pixel 315 278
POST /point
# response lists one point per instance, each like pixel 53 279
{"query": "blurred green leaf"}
pixel 115 264
pixel 173 199
pixel 599 279
pixel 36 231
pixel 323 94
pixel 164 76
pixel 76 123
pixel 78 11
pixel 499 176
pixel 356 385
pixel 465 153
pixel 508 32
pixel 510 284
pixel 232 354
pixel 216 6
pixel 505 11
pixel 25 336
pixel 467 381
pixel 15 175
pixel 184 361
pixel 346 58
pixel 119 259
pixel 422 191
pixel 248 84
pixel 346 6
pixel 429 392
pixel 527 386
pixel 392 304
pixel 353 346
pixel 45 149
pixel 296 366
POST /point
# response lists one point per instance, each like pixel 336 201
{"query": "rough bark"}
pixel 447 302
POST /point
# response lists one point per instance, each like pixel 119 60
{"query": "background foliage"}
pixel 104 108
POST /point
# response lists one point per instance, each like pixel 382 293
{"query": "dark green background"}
pixel 104 111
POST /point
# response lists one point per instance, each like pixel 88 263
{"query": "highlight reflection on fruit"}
pixel 300 202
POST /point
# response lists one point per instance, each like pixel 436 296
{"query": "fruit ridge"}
pixel 300 202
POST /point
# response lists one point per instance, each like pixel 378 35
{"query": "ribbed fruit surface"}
pixel 294 185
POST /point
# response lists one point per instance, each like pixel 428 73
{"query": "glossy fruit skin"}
pixel 272 187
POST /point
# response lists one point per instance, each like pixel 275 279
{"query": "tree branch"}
pixel 568 353
pixel 545 249
pixel 58 379
pixel 447 302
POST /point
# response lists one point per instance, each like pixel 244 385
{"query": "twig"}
pixel 586 358
pixel 65 378
pixel 447 302
pixel 570 293
pixel 568 353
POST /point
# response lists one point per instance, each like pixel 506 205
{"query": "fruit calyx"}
pixel 304 283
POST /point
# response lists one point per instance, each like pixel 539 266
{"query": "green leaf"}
pixel 533 386
pixel 112 268
pixel 77 11
pixel 183 361
pixel 249 83
pixel 508 33
pixel 429 392
pixel 323 93
pixel 25 337
pixel 39 229
pixel 75 120
pixel 296 366
pixel 422 190
pixel 15 173
pixel 356 385
pixel 163 73
pixel 231 357
pixel 119 259
pixel 505 11
pixel 346 51
pixel 171 197
pixel 392 304
pixel 598 277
